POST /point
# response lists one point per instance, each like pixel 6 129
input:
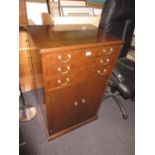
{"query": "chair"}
pixel 122 82
pixel 118 18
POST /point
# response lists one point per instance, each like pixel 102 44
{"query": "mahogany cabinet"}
pixel 76 66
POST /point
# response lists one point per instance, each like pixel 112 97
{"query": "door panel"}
pixel 62 108
pixel 92 92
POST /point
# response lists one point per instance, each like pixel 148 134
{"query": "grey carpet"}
pixel 108 135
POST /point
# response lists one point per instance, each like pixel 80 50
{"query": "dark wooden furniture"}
pixel 76 67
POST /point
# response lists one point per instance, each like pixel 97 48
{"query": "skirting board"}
pixel 51 137
pixel 71 128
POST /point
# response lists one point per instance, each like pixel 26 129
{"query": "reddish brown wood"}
pixel 30 71
pixel 48 40
pixel 22 13
pixel 73 96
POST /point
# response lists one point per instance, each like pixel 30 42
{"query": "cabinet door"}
pixel 91 93
pixel 62 108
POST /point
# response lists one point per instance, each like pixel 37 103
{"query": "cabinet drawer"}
pixel 108 50
pixel 71 56
pixel 76 77
pixel 62 57
pixel 61 69
pixel 104 61
pixel 85 62
pixel 69 67
pixel 65 80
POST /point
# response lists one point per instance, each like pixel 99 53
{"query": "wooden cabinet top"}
pixel 47 38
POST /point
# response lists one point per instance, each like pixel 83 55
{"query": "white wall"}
pixel 34 12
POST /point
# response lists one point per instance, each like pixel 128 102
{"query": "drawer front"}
pixel 62 57
pixel 64 80
pixel 71 56
pixel 61 69
pixel 108 50
pixel 76 77
pixel 69 67
pixel 104 61
pixel 76 66
pixel 85 62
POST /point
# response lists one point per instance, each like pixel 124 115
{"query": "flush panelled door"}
pixel 76 67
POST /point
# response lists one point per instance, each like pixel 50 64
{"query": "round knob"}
pixel 76 103
pixel 83 100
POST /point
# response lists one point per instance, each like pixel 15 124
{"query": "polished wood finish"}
pixel 71 128
pixel 30 70
pixel 22 13
pixel 76 66
pixel 48 40
pixel 47 19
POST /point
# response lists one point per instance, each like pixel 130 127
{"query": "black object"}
pixel 21 138
pixel 122 81
pixel 118 18
pixel 22 144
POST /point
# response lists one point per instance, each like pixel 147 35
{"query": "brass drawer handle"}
pixel 102 73
pixel 65 83
pixel 64 72
pixel 109 51
pixel 66 60
pixel 105 62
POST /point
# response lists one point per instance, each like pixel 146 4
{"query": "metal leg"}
pixel 26 112
pixel 121 107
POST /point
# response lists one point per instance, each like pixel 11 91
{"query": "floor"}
pixel 108 135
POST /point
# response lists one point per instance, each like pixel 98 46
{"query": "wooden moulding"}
pixel 71 128
pixel 42 110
